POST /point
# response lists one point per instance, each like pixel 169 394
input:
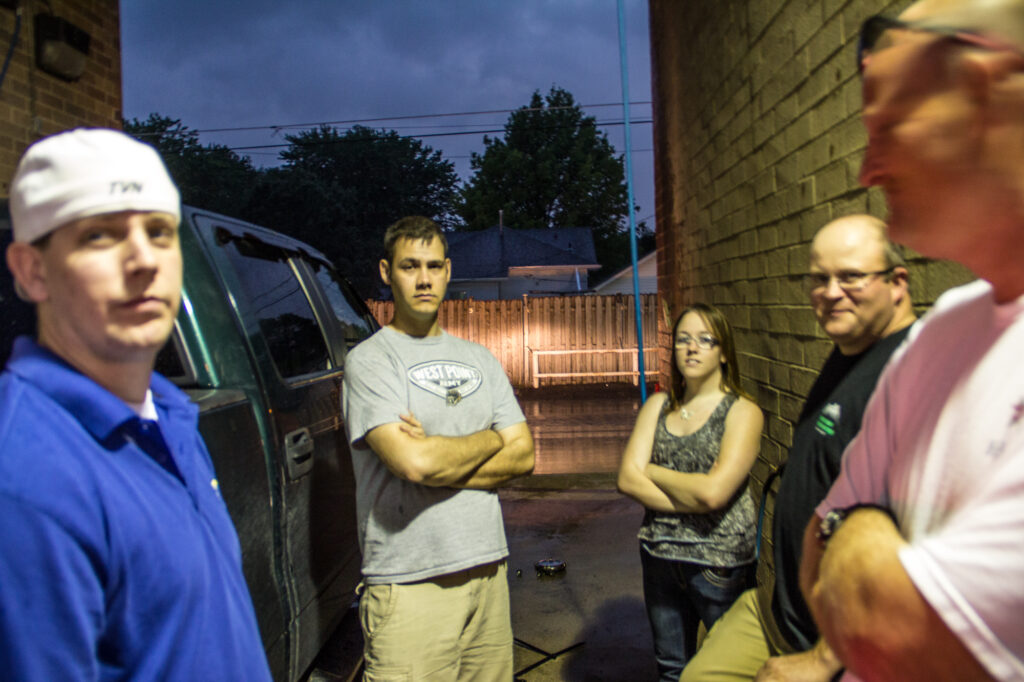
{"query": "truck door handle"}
pixel 298 446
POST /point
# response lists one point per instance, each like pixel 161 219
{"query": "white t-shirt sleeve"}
pixel 945 451
pixel 966 569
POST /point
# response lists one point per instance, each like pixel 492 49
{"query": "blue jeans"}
pixel 679 595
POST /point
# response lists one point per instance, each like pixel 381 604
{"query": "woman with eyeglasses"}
pixel 687 463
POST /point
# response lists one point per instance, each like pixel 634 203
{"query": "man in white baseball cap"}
pixel 119 559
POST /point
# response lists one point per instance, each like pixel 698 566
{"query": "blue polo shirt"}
pixel 118 560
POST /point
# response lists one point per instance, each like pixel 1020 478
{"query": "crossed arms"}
pixel 663 489
pixel 480 460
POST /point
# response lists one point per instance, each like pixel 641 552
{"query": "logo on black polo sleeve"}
pixel 452 381
pixel 828 419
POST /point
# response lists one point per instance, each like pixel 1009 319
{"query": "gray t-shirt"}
pixel 407 531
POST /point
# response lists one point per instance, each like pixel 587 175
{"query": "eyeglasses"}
pixel 873 39
pixel 849 281
pixel 703 341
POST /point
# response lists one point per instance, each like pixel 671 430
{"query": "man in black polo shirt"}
pixel 858 289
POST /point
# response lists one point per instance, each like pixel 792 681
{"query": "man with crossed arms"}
pixel 434 428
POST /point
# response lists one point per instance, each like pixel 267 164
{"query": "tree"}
pixel 211 177
pixel 336 190
pixel 340 190
pixel 553 168
pixel 395 176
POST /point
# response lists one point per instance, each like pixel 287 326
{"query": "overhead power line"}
pixel 404 117
pixel 420 136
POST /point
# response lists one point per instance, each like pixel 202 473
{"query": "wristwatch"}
pixel 835 517
pixel 830 524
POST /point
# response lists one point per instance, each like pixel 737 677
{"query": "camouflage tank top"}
pixel 724 537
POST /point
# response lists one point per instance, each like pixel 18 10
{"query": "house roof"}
pixel 642 263
pixel 490 253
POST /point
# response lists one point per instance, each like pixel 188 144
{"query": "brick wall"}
pixel 759 143
pixel 34 103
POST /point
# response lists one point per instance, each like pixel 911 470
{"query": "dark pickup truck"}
pixel 259 345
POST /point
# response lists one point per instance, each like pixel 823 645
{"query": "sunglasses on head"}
pixel 873 36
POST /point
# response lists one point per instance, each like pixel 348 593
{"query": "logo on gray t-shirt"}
pixel 452 381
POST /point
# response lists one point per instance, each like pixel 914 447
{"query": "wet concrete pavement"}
pixel 596 602
pixel 568 510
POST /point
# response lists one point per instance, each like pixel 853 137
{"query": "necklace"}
pixel 701 407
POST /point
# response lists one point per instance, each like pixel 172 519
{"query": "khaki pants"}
pixel 452 627
pixel 735 648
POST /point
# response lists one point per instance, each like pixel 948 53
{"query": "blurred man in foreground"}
pixel 914 565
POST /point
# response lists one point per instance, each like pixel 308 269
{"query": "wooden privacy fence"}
pixel 554 340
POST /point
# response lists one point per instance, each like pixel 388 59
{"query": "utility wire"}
pixel 414 136
pixel 408 117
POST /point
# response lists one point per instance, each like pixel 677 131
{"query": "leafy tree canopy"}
pixel 340 190
pixel 395 176
pixel 553 168
pixel 336 190
pixel 211 177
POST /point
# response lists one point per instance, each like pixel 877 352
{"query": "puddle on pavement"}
pixel 580 435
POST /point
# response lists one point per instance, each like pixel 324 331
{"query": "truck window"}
pixel 344 304
pixel 16 316
pixel 282 310
pixel 170 361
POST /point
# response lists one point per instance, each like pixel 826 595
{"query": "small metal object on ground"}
pixel 550 566
pixel 545 567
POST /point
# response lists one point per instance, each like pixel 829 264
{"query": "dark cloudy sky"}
pixel 219 64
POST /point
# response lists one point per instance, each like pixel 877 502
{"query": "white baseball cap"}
pixel 86 172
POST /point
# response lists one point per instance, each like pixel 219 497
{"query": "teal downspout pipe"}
pixel 629 193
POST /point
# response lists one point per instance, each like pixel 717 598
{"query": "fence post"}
pixel 526 340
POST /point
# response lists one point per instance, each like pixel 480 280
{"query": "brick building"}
pixel 758 144
pixel 33 101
